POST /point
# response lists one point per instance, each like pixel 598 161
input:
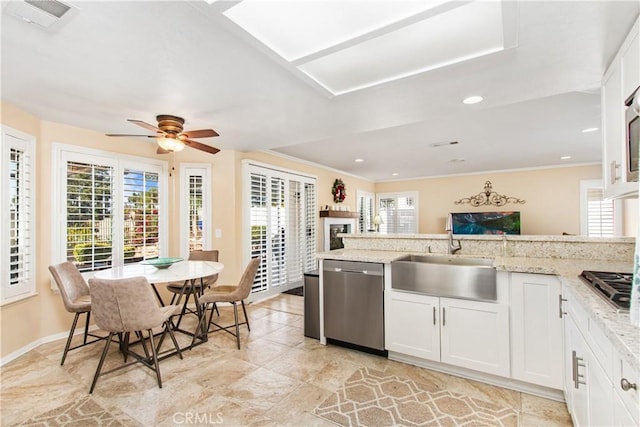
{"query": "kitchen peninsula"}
pixel 538 283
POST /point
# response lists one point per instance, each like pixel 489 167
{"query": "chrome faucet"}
pixel 452 248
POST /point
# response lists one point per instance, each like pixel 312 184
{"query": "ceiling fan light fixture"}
pixel 171 144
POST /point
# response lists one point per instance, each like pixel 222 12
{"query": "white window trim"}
pixel 585 184
pixel 248 166
pixel 63 152
pixel 28 289
pixel 203 170
pixel 413 194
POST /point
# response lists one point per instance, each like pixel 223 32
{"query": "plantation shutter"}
pixel 365 212
pixel 277 230
pixel 18 231
pixel 295 228
pixel 600 214
pixel 196 219
pixel 283 227
pixel 398 212
pixel 141 220
pixel 89 214
pixel 309 213
pixel 258 222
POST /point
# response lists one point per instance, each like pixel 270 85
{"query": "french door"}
pixel 280 227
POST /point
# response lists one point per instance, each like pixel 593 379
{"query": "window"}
pixel 366 211
pixel 598 217
pixel 195 184
pixel 281 226
pixel 399 212
pixel 18 215
pixel 109 209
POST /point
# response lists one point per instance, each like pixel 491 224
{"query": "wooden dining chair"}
pixel 122 306
pixel 76 299
pixel 230 294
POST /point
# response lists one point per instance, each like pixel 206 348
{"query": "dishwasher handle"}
pixel 355 267
pixel 342 270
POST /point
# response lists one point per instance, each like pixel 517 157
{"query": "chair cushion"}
pixel 81 304
pixel 176 288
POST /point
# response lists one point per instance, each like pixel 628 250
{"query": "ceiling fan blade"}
pixel 128 135
pixel 144 125
pixel 200 146
pixel 202 133
pixel 161 150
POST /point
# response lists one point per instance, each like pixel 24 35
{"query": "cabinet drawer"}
pixel 601 347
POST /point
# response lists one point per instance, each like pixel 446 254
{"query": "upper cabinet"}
pixel 619 81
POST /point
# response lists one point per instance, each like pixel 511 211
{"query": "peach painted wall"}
pixel 552 198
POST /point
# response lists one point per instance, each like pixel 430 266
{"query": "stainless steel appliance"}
pixel 632 122
pixel 311 305
pixel 353 302
pixel 615 288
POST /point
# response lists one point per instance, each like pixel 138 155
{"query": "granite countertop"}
pixel 616 324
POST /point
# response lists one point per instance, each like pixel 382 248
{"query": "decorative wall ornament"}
pixel 488 197
pixel 339 191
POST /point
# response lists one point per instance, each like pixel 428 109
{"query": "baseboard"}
pixel 521 386
pixel 44 340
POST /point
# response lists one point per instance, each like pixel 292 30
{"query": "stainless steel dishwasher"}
pixel 353 302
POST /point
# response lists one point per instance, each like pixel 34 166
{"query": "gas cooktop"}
pixel 615 288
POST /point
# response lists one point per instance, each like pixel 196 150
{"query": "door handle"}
pixel 434 315
pixel 443 317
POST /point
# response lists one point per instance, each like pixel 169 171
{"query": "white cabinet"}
pixel 591 402
pixel 630 61
pixel 413 325
pixel 619 81
pixel 475 335
pixel 469 334
pixel 536 329
pixel 601 387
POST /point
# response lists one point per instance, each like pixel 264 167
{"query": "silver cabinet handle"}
pixel 443 317
pixel 627 385
pixel 434 315
pixel 578 362
pixel 560 301
pixel 613 171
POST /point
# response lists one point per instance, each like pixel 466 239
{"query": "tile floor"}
pixel 278 378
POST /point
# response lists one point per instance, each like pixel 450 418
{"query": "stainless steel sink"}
pixel 448 276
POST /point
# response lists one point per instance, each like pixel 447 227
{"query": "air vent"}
pixel 46 14
pixel 52 7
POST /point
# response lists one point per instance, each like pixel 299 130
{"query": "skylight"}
pixel 295 29
pixel 351 45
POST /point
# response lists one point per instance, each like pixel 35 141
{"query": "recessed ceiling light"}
pixel 359 160
pixel 472 100
pixel 587 130
pixel 565 157
pixel 395 174
pixel 456 160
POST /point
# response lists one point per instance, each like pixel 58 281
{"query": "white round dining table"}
pixel 178 272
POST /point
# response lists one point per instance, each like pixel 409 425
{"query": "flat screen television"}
pixel 486 223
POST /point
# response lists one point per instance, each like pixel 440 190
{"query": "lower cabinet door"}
pixel 475 335
pixel 412 325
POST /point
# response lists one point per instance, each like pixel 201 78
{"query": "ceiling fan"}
pixel 170 135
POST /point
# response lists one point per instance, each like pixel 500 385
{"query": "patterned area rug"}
pixel 373 398
pixel 83 412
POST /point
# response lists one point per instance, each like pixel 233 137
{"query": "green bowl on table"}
pixel 161 262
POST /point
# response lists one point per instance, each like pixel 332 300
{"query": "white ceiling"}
pixel 113 60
